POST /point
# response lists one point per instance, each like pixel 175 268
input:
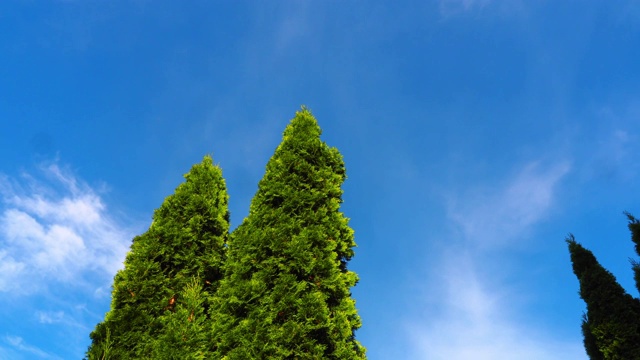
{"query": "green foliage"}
pixel 286 291
pixel 279 288
pixel 634 227
pixel 183 335
pixel 590 341
pixel 185 241
pixel 611 326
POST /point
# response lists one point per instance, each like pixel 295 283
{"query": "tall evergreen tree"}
pixel 634 227
pixel 611 326
pixel 183 334
pixel 286 291
pixel 184 242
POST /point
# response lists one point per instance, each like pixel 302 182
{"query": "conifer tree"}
pixel 286 291
pixel 184 242
pixel 634 227
pixel 183 334
pixel 611 326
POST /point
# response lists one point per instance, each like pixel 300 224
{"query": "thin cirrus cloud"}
pixel 476 314
pixel 450 7
pixel 50 317
pixel 493 218
pixel 477 320
pixel 55 228
pixel 20 345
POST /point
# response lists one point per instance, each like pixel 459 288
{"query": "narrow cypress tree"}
pixel 286 291
pixel 185 241
pixel 590 341
pixel 634 227
pixel 611 326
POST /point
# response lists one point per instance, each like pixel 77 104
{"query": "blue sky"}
pixel 477 134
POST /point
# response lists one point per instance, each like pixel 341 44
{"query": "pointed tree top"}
pixel 610 327
pixel 202 168
pixel 581 258
pixel 303 126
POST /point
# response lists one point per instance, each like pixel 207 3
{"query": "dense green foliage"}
pixel 169 275
pixel 183 333
pixel 634 227
pixel 279 288
pixel 611 326
pixel 286 290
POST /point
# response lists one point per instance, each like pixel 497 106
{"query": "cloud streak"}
pixel 461 5
pixel 478 320
pixel 19 344
pixel 50 317
pixel 473 314
pixel 55 228
pixel 453 8
pixel 494 217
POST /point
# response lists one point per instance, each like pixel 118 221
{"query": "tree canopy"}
pixel 185 243
pixel 611 325
pixel 286 290
pixel 277 287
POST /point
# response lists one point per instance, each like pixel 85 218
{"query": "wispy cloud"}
pixel 448 6
pixel 473 314
pixel 614 143
pixel 293 27
pixel 19 344
pixel 452 8
pixel 496 215
pixel 477 319
pixel 55 228
pixel 50 317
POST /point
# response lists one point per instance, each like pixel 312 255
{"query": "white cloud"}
pixel 493 217
pixel 18 343
pixel 50 317
pixel 55 228
pixel 10 270
pixel 472 313
pixel 476 320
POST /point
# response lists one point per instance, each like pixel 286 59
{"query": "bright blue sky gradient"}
pixel 476 133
